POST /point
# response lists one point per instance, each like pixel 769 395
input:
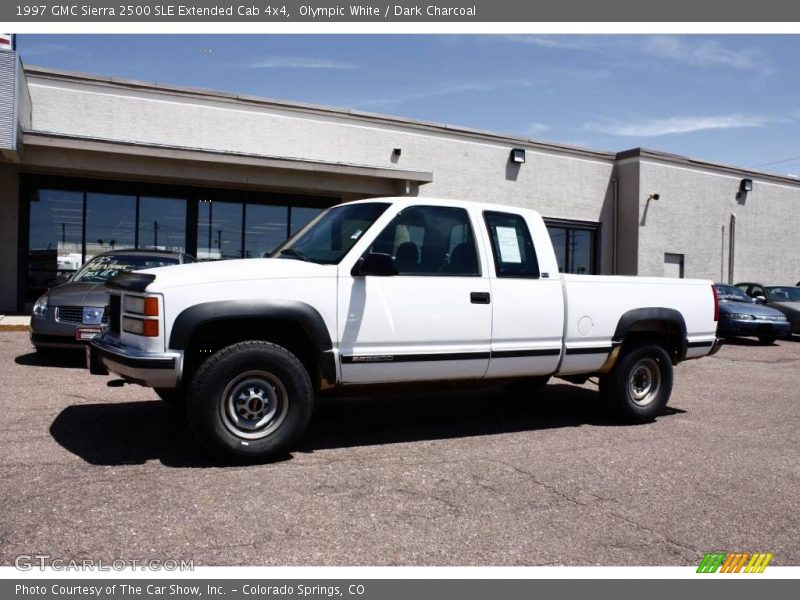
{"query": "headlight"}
pixel 739 317
pixel 40 308
pixel 141 306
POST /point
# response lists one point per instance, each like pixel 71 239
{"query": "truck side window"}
pixel 512 247
pixel 430 240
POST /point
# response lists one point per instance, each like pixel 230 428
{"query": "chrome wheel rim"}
pixel 253 405
pixel 644 382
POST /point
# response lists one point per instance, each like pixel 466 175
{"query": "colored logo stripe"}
pixel 758 563
pixel 734 562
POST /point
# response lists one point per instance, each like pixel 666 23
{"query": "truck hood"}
pixel 78 293
pixel 235 270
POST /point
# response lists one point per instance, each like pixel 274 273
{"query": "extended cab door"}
pixel 527 297
pixel 429 321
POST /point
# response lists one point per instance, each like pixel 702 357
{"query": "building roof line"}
pixel 696 163
pixel 318 109
pixel 396 121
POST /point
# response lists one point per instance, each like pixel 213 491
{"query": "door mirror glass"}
pixel 381 265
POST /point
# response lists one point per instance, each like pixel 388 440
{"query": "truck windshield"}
pixel 330 236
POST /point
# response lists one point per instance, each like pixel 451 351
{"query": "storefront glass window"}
pixel 162 223
pixel 574 247
pixel 56 238
pixel 110 223
pixel 265 229
pixel 219 230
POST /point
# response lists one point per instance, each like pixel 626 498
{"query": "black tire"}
pixel 530 387
pixel 767 339
pixel 172 396
pixel 638 388
pixel 251 401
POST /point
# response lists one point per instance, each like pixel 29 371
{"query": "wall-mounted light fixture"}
pixel 746 185
pixel 517 155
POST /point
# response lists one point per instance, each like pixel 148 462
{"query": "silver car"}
pixel 71 313
pixel 785 298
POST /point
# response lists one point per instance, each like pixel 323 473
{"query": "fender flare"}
pixel 295 312
pixel 637 315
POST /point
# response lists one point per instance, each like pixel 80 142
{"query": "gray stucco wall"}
pixel 692 217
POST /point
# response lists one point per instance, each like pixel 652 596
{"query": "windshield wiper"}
pixel 295 254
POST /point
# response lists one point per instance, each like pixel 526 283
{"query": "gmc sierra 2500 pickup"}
pixel 393 290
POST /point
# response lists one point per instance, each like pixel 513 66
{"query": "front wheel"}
pixel 767 339
pixel 639 386
pixel 250 401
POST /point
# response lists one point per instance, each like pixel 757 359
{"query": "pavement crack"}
pixel 553 489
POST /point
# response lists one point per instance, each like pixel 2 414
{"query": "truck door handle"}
pixel 479 297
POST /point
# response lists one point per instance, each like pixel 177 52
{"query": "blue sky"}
pixel 732 99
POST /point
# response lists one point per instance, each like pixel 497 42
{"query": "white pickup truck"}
pixel 393 291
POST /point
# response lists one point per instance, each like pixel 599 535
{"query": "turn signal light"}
pixel 145 327
pixel 151 307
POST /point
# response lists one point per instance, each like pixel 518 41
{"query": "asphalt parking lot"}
pixel 469 478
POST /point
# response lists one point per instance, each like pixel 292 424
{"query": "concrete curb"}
pixel 15 323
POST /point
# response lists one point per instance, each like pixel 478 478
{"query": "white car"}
pixel 393 291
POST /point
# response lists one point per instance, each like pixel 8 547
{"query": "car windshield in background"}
pixel 103 268
pixel 731 292
pixel 330 236
pixel 784 294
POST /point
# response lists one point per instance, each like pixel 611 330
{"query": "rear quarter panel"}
pixel 595 305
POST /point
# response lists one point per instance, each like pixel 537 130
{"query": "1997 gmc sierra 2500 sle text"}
pixel 393 290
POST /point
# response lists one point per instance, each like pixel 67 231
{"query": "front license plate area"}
pixel 84 334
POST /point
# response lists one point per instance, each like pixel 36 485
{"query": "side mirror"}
pixel 380 265
pixel 760 299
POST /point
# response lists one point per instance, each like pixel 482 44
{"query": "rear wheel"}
pixel 639 386
pixel 250 401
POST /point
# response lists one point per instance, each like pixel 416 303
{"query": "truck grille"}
pixel 114 310
pixel 74 314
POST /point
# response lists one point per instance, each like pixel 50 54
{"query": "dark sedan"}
pixel 73 312
pixel 741 315
pixel 785 298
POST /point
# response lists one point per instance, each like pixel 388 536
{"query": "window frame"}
pixel 594 228
pixel 469 223
pixel 528 238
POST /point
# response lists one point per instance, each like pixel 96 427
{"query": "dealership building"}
pixel 90 163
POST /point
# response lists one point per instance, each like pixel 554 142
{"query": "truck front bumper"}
pixel 150 369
